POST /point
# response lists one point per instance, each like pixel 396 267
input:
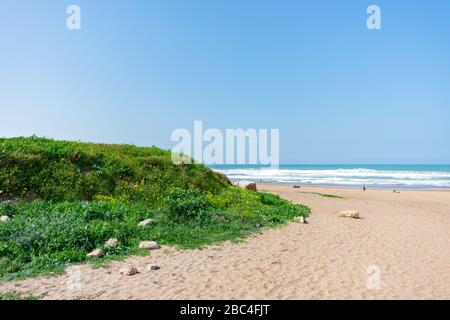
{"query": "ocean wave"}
pixel 357 176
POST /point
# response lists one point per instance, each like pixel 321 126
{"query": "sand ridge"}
pixel 404 236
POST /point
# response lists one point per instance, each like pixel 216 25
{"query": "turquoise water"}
pixel 378 176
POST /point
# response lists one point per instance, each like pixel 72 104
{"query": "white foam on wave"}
pixel 349 177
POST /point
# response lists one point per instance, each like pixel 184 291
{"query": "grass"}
pixel 65 199
pixel 325 195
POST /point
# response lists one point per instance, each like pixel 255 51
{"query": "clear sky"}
pixel 137 70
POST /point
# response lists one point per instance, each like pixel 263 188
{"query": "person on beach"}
pixel 364 187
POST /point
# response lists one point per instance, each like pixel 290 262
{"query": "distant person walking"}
pixel 364 187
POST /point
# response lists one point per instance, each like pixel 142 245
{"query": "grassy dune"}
pixel 65 199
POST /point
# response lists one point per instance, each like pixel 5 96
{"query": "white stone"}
pixel 353 214
pixel 149 245
pixel 4 219
pixel 300 219
pixel 246 185
pixel 112 243
pixel 145 222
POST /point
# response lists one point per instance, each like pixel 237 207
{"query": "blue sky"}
pixel 137 70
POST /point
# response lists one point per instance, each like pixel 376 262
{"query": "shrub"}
pixel 7 209
pixel 74 196
pixel 63 170
pixel 188 204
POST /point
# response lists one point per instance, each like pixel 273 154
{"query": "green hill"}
pixel 65 199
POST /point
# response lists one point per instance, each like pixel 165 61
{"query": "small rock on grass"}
pixel 153 266
pixel 149 245
pixel 97 253
pixel 352 214
pixel 129 271
pixel 247 185
pixel 4 219
pixel 112 243
pixel 145 222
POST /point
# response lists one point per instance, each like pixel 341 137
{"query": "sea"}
pixel 352 176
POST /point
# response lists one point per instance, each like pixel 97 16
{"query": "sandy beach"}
pixel 399 249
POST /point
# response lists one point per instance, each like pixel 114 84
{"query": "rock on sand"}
pixel 247 185
pixel 300 219
pixel 149 245
pixel 153 266
pixel 353 214
pixel 112 243
pixel 129 271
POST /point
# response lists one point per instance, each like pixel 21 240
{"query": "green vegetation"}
pixel 65 199
pixel 15 296
pixel 325 195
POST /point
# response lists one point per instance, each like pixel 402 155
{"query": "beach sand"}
pixel 400 249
